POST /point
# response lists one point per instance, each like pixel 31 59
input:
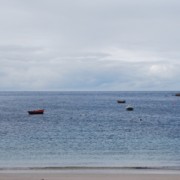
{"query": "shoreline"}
pixel 90 174
pixel 176 168
pixel 93 170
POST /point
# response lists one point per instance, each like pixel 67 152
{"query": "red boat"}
pixel 38 111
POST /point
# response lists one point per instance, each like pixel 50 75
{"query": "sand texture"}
pixel 85 176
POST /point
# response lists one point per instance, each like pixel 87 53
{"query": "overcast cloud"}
pixel 89 45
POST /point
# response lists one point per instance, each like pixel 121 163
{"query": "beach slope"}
pixel 86 176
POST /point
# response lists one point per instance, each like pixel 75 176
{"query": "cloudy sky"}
pixel 89 45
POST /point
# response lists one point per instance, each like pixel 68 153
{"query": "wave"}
pixel 93 168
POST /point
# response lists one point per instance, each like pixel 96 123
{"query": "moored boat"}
pixel 38 111
pixel 177 94
pixel 129 108
pixel 121 101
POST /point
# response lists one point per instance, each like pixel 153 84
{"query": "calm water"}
pixel 89 129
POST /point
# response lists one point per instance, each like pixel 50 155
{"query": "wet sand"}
pixel 89 175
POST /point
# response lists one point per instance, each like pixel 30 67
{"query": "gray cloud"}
pixel 89 45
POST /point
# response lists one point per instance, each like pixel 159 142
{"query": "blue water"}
pixel 89 129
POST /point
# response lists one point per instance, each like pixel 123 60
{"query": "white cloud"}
pixel 89 45
pixel 163 71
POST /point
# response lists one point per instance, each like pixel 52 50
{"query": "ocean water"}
pixel 89 129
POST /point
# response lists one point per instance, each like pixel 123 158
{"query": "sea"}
pixel 90 129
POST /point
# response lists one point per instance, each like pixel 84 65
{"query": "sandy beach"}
pixel 89 175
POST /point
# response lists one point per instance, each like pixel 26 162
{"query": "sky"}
pixel 89 45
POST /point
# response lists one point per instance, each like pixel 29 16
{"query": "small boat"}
pixel 38 111
pixel 121 101
pixel 129 108
pixel 177 94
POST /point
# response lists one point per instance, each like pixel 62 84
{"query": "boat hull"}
pixel 129 108
pixel 34 112
pixel 121 101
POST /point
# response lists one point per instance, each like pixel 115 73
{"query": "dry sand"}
pixel 88 175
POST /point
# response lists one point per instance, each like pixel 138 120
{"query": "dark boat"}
pixel 129 108
pixel 177 94
pixel 121 101
pixel 38 111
